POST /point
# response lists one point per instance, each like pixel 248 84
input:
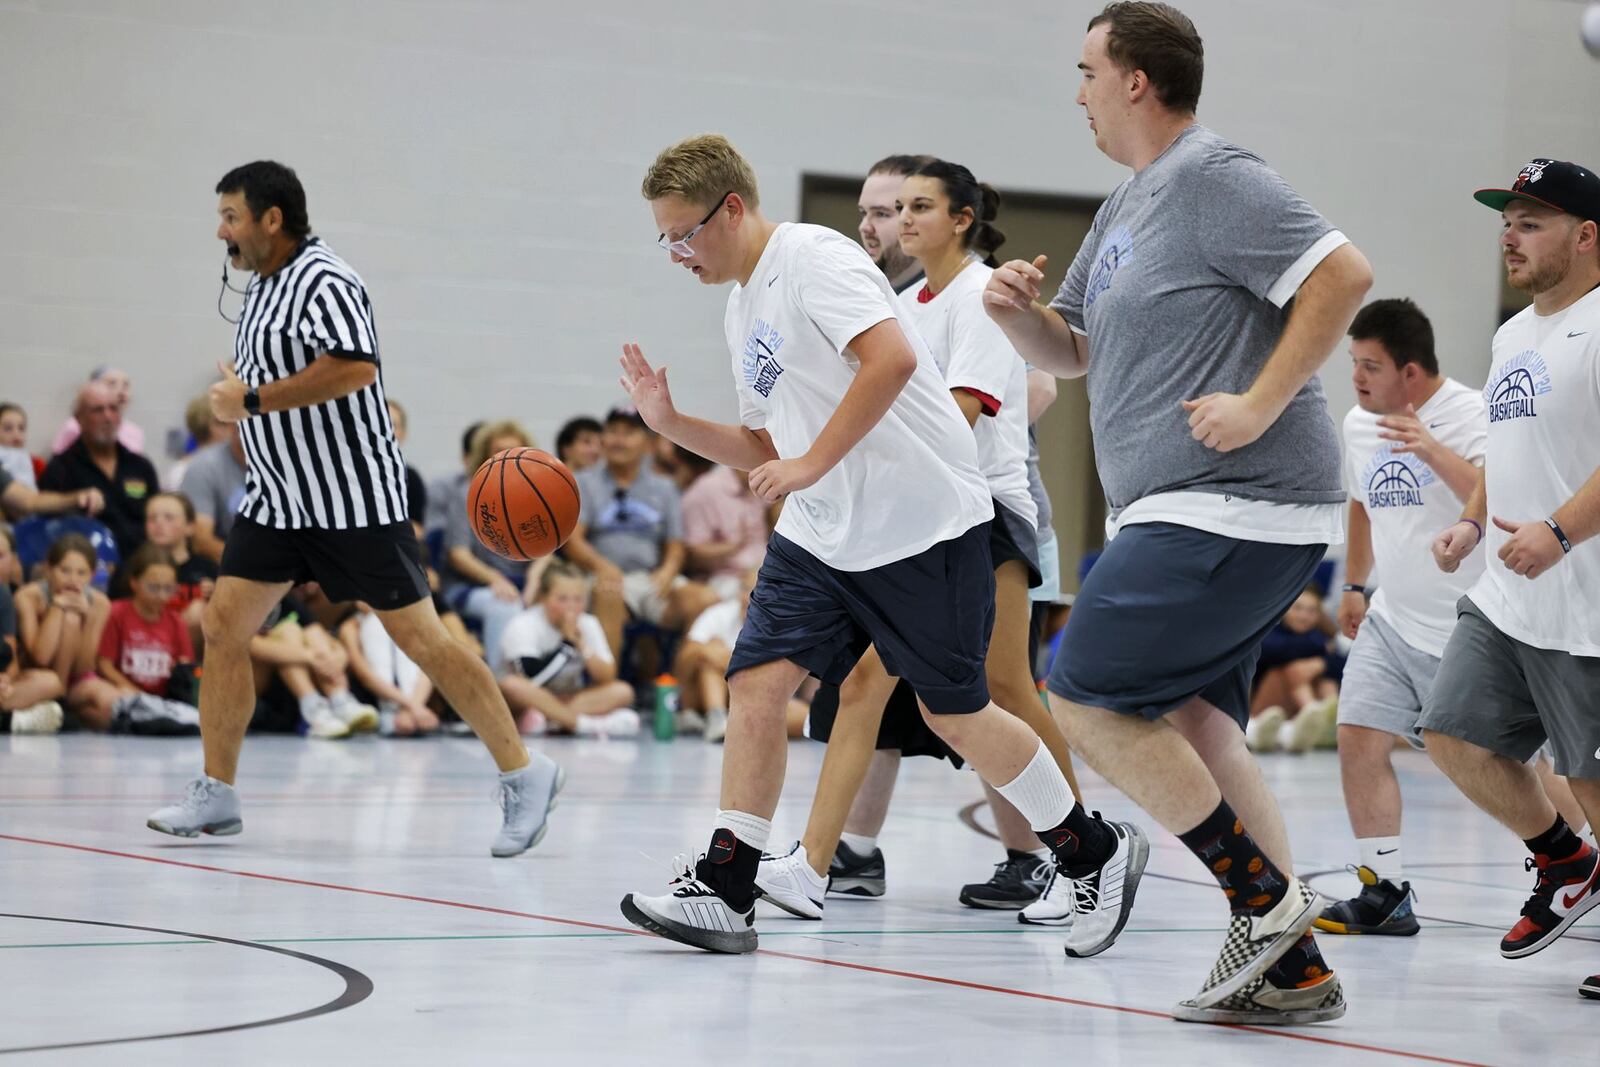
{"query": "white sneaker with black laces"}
pixel 1256 942
pixel 208 806
pixel 693 914
pixel 1054 906
pixel 1103 900
pixel 788 882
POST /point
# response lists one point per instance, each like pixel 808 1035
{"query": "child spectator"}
pixel 578 443
pixel 388 675
pixel 169 522
pixel 702 664
pixel 29 699
pixel 60 618
pixel 314 669
pixel 14 458
pixel 1298 669
pixel 555 666
pixel 145 655
pixel 416 488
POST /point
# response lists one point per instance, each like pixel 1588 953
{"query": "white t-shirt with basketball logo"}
pixel 1543 395
pixel 913 479
pixel 1408 505
pixel 973 353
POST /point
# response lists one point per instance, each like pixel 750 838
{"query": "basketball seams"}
pixel 505 514
pixel 555 527
pixel 508 541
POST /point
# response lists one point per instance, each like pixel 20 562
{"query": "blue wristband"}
pixel 1566 546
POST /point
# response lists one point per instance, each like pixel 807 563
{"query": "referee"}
pixel 325 501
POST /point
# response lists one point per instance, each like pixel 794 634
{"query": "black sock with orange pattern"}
pixel 1250 881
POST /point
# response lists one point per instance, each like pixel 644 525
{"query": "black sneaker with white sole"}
pixel 853 875
pixel 1017 882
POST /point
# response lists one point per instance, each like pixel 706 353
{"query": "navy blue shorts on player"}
pixel 929 617
pixel 1169 613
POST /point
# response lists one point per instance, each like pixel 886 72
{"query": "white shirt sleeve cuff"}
pixel 1290 281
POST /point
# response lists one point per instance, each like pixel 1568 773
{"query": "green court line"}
pixel 1018 929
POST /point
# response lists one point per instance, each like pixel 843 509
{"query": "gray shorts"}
pixel 1386 682
pixel 1509 697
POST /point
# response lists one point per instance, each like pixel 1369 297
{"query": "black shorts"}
pixel 1170 613
pixel 902 730
pixel 1011 538
pixel 379 564
pixel 929 616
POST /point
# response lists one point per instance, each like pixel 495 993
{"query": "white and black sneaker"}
pixel 693 914
pixel 1256 942
pixel 1103 899
pixel 1054 906
pixel 1016 882
pixel 852 874
pixel 788 882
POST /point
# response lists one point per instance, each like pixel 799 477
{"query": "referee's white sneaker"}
pixel 527 797
pixel 788 882
pixel 1103 900
pixel 208 807
pixel 693 914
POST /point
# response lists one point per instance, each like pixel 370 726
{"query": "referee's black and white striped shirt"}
pixel 331 466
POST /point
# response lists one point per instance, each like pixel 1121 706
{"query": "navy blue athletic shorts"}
pixel 930 616
pixel 1169 613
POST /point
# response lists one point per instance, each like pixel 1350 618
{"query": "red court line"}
pixel 865 968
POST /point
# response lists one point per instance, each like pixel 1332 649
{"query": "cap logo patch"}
pixel 1531 173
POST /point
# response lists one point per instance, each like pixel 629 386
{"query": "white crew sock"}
pixel 860 844
pixel 753 830
pixel 1382 854
pixel 1040 792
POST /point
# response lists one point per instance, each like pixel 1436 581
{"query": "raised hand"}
pixel 647 388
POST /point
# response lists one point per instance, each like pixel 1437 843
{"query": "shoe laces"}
pixel 1085 894
pixel 684 881
pixel 197 794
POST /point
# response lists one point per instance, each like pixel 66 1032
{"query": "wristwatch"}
pixel 252 401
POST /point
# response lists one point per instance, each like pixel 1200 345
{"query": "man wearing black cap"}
pixel 630 535
pixel 1523 665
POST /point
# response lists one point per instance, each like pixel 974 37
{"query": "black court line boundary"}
pixel 357 987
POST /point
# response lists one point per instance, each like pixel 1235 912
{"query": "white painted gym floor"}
pixel 360 919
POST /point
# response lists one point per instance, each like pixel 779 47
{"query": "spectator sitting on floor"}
pixel 314 668
pixel 98 460
pixel 578 443
pixel 10 565
pixel 214 483
pixel 725 529
pixel 630 536
pixel 379 666
pixel 60 618
pixel 1298 669
pixel 129 435
pixel 29 698
pixel 203 430
pixel 486 588
pixel 145 655
pixel 702 663
pixel 169 522
pixel 555 666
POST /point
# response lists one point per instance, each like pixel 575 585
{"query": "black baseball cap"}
pixel 626 413
pixel 1564 186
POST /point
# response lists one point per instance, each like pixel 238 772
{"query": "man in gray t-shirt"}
pixel 1221 465
pixel 214 482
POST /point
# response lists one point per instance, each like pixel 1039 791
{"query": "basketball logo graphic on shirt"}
pixel 1114 251
pixel 760 364
pixel 1511 394
pixel 1395 480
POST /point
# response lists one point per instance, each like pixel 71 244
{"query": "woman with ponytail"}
pixel 947 223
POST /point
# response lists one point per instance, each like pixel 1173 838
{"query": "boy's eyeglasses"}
pixel 680 247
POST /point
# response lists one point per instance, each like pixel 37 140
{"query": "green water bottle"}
pixel 666 724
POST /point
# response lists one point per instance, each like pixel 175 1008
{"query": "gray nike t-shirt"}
pixel 1181 287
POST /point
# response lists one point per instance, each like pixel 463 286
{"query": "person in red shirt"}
pixel 145 651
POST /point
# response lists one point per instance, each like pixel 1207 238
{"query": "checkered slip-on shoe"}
pixel 1263 1004
pixel 1256 942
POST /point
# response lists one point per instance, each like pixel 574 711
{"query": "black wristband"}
pixel 1351 587
pixel 1555 528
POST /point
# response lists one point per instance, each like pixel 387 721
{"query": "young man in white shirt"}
pixel 1522 666
pixel 1414 447
pixel 883 537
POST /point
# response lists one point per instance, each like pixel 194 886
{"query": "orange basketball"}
pixel 523 503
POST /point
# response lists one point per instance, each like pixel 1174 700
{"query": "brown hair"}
pixel 146 556
pixel 702 170
pixel 66 545
pixel 904 166
pixel 1161 41
pixel 556 568
pixel 183 502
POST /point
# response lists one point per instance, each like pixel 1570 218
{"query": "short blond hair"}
pixel 702 170
pixel 483 435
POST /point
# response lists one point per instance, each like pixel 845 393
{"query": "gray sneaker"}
pixel 208 807
pixel 527 797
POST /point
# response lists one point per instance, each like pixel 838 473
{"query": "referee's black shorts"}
pixel 381 565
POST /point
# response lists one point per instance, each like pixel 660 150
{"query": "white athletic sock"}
pixel 753 830
pixel 1040 792
pixel 860 844
pixel 1382 854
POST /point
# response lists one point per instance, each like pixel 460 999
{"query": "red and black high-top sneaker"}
pixel 1566 890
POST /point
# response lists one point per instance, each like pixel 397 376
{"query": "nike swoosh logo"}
pixel 1434 425
pixel 1569 900
pixel 771 280
pixel 1387 851
pixel 1579 333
